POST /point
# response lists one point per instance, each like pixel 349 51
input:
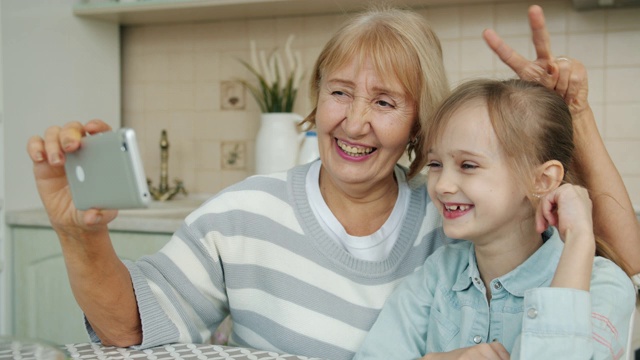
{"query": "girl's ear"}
pixel 548 177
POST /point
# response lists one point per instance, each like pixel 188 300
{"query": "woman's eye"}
pixel 338 93
pixel 383 103
pixel 469 166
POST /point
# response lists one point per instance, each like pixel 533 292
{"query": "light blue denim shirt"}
pixel 443 307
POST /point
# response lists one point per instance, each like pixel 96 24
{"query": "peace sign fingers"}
pixel 540 70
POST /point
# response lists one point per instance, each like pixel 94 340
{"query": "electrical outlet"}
pixel 234 155
pixel 232 95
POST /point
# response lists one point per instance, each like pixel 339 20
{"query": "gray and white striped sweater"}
pixel 256 251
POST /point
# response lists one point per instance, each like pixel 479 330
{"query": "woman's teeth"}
pixel 354 150
pixel 457 207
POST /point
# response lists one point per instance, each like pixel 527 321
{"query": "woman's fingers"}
pixel 563 65
pixel 508 56
pixel 539 33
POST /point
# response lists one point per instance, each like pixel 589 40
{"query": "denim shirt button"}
pixel 532 313
pixel 497 285
pixel 477 339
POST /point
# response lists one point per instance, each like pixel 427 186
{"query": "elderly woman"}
pixel 303 260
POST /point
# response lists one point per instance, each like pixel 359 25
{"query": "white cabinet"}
pixel 43 304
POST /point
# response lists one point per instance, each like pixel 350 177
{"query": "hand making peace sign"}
pixel 567 77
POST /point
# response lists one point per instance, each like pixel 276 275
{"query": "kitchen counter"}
pixel 160 217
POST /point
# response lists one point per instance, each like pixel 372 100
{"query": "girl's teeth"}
pixel 457 207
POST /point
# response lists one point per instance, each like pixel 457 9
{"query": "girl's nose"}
pixel 445 182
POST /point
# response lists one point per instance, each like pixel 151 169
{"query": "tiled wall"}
pixel 172 76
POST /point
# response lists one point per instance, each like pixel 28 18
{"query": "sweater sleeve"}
pixel 561 323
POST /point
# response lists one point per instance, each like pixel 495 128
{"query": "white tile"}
pixel 625 155
pixel 208 154
pixel 181 66
pixel 587 47
pixel 222 36
pixel 586 21
pixel 475 55
pixel 596 85
pixel 207 96
pixel 512 19
pixel 317 30
pixel 558 44
pixel 263 32
pixel 476 18
pixel 623 122
pixel 208 181
pixel 622 84
pixel 154 67
pixel 133 97
pixel 445 21
pixel 181 96
pixel 623 48
pixel 207 66
pixel 451 55
pixel 157 97
pixel 623 19
pixel 555 15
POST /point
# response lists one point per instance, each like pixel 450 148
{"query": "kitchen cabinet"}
pixel 172 11
pixel 41 299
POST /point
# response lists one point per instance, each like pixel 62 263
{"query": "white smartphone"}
pixel 107 173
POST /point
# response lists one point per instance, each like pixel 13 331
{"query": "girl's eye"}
pixel 433 164
pixel 469 166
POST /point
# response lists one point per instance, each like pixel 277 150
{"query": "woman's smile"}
pixel 351 150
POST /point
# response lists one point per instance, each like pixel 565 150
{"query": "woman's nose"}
pixel 357 119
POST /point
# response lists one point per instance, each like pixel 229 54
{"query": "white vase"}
pixel 277 142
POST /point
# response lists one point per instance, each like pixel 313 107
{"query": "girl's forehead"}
pixel 470 125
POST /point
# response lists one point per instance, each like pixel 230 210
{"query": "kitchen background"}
pixel 172 76
pixel 58 67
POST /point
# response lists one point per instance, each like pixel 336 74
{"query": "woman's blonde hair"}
pixel 532 124
pixel 400 44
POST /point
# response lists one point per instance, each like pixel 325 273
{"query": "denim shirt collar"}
pixel 536 271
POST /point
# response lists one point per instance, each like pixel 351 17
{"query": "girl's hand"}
pixel 488 351
pixel 567 77
pixel 48 156
pixel 568 208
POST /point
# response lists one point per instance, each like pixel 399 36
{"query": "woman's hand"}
pixel 48 156
pixel 489 351
pixel 567 77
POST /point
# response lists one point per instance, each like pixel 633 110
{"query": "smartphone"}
pixel 106 172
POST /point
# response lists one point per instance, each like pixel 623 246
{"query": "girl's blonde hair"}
pixel 532 124
pixel 400 45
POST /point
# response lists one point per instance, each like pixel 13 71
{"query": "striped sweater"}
pixel 256 251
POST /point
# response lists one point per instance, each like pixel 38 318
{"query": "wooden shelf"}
pixel 180 11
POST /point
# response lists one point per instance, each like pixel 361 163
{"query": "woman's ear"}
pixel 548 177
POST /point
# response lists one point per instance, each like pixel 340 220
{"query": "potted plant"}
pixel 275 93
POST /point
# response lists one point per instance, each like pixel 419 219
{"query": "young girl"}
pixel 499 155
